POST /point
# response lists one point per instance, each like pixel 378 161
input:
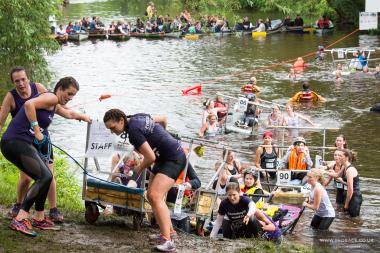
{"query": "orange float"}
pixel 104 96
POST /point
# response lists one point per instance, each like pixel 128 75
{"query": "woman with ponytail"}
pixel 159 147
pixel 319 201
pixel 350 178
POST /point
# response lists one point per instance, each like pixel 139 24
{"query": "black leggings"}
pixel 355 204
pixel 26 158
pixel 321 223
pixel 238 229
pixel 340 196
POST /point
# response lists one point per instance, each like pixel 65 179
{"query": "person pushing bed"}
pixel 159 147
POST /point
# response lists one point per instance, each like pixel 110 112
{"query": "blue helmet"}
pixel 251 97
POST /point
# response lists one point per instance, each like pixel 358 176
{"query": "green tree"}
pixel 24 36
pixel 220 7
pixel 344 11
pixel 347 11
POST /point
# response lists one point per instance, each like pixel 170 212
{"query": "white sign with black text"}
pixel 101 141
pixel 367 20
pixel 243 104
pixel 283 177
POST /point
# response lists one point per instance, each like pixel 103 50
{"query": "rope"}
pixel 45 156
pixel 80 166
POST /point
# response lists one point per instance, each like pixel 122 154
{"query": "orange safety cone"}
pixel 189 91
pixel 104 96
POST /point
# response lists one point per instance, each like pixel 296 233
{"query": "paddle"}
pixel 296 220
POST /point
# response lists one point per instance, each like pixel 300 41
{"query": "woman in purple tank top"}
pixel 29 127
pixel 24 90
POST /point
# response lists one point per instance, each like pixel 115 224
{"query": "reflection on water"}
pixel 148 76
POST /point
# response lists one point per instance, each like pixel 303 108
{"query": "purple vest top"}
pixel 19 101
pixel 20 128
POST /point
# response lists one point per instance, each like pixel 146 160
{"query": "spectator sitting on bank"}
pixel 261 26
pixel 288 21
pixel 298 21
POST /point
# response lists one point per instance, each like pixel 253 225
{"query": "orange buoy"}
pixel 104 96
pixel 194 90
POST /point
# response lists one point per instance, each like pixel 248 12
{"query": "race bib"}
pixel 269 164
pixel 283 177
pixel 243 104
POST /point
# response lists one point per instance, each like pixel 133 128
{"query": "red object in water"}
pixel 104 96
pixel 194 90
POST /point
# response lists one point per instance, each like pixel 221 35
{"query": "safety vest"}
pixel 251 191
pixel 249 88
pixel 297 161
pixel 306 96
pixel 299 64
pixel 220 105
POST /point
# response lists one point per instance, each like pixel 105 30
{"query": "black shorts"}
pixel 172 168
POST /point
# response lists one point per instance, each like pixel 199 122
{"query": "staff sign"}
pixel 283 177
pixel 102 143
pixel 243 104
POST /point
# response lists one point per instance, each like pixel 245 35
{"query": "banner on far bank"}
pixel 372 6
pixel 367 20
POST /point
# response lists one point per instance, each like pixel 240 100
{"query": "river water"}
pixel 148 76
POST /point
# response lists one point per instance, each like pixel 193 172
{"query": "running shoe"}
pixel 44 224
pixel 14 211
pixel 159 238
pixel 55 215
pixel 23 226
pixel 167 246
